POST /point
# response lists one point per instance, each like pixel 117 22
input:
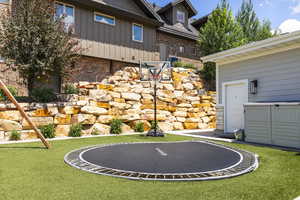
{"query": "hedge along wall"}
pixel 122 96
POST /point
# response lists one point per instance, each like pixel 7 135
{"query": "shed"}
pixel 264 72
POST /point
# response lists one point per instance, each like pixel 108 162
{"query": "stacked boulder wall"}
pixel 182 103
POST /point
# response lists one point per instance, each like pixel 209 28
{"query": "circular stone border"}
pixel 248 163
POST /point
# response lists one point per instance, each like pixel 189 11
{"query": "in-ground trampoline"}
pixel 172 161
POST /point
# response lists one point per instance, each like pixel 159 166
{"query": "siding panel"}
pixel 277 75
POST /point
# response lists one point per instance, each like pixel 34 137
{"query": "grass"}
pixel 28 171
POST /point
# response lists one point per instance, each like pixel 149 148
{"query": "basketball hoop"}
pixel 156 72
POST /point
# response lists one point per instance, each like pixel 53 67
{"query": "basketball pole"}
pixel 23 113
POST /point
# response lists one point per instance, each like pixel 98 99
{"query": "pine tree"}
pixel 248 20
pixel 220 33
pixel 36 44
pixel 253 29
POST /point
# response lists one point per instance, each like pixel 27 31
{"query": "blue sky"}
pixel 286 12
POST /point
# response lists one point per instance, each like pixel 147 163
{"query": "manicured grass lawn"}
pixel 30 172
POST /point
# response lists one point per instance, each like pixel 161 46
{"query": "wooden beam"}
pixel 21 110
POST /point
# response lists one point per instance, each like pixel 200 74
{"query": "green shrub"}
pixel 139 127
pixel 115 126
pixel 153 125
pixel 43 95
pixel 15 136
pixel 75 130
pixel 12 90
pixel 48 131
pixel 189 66
pixel 177 64
pixel 71 89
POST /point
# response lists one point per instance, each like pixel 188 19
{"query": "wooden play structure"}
pixel 21 110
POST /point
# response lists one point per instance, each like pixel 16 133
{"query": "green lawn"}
pixel 30 172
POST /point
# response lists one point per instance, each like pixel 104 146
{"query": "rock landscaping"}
pixel 182 104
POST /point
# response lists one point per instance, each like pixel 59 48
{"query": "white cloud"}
pixel 289 25
pixel 296 7
pixel 265 3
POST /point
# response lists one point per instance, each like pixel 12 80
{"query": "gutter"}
pixel 178 33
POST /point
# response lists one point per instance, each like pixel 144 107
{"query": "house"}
pixel 258 89
pixel 116 33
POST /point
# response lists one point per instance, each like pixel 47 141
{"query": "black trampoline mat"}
pixel 163 158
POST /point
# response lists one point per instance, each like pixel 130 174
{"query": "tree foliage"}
pixel 220 33
pixel 253 29
pixel 36 44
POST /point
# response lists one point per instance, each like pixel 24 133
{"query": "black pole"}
pixel 155 111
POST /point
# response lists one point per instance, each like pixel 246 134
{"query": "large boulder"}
pixel 11 115
pixel 146 124
pixel 28 135
pixel 126 129
pixel 165 127
pixel 9 125
pixel 180 114
pixel 84 119
pixel 101 129
pixel 121 106
pixel 38 121
pixel 70 110
pixel 62 130
pixel 94 110
pixel 104 119
pixel 178 126
pixel 62 119
pixel 131 96
pixel 188 86
pixel 188 125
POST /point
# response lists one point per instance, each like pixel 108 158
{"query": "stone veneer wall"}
pixel 120 96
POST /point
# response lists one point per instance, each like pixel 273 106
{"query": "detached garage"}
pixel 258 90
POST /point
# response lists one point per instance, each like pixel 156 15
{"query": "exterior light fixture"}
pixel 253 86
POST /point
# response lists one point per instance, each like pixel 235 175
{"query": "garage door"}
pixel 236 95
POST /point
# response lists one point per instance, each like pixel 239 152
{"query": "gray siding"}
pixel 113 42
pixel 278 76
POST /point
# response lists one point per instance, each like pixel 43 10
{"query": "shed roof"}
pixel 269 46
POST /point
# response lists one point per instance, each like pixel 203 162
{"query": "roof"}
pixel 153 18
pixel 199 22
pixel 189 5
pixel 179 30
pixel 269 46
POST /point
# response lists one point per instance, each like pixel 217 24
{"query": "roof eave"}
pixel 178 33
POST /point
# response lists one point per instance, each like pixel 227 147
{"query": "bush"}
pixel 139 127
pixel 15 136
pixel 75 130
pixel 43 95
pixel 115 126
pixel 12 90
pixel 48 131
pixel 71 89
pixel 153 125
pixel 183 65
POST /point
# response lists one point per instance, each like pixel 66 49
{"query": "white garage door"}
pixel 236 95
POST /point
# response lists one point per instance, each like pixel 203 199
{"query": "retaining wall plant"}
pixel 182 104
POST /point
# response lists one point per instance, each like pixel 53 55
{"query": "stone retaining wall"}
pixel 182 104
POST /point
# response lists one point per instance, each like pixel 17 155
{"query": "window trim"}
pixel 104 15
pixel 183 49
pixel 70 5
pixel 179 11
pixel 141 25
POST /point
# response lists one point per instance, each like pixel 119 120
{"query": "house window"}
pixel 180 16
pixel 68 13
pixel 137 32
pixel 105 19
pixel 181 49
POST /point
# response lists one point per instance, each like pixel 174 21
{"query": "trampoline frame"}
pixel 248 162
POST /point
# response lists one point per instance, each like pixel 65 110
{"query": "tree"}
pixel 248 20
pixel 221 32
pixel 35 43
pixel 253 29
